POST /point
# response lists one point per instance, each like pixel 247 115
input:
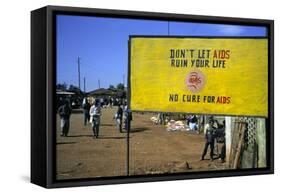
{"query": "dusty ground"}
pixel 152 149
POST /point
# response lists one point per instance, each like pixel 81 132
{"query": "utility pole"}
pixel 99 83
pixel 78 61
pixel 124 80
pixel 84 85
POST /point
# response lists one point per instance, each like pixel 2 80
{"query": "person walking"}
pixel 128 117
pixel 119 118
pixel 209 132
pixel 95 113
pixel 110 102
pixel 86 108
pixel 65 112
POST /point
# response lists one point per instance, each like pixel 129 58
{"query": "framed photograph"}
pixel 126 96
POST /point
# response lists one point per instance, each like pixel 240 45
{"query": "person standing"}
pixel 86 108
pixel 223 152
pixel 119 118
pixel 64 112
pixel 221 139
pixel 160 119
pixel 128 117
pixel 209 132
pixel 193 123
pixel 110 102
pixel 95 113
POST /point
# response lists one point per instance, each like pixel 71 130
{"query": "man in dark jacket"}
pixel 210 132
pixel 221 139
pixel 64 112
pixel 86 108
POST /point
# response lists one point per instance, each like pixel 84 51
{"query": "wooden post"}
pixel 228 138
pixel 128 142
pixel 261 141
pixel 241 129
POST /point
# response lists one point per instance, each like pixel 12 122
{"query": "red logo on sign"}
pixel 195 81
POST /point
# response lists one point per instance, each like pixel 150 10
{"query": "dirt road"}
pixel 152 149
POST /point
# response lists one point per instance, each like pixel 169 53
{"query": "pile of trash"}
pixel 154 120
pixel 176 126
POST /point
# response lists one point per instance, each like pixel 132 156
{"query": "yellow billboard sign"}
pixel 224 76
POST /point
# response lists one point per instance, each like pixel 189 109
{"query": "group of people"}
pixel 122 116
pixel 214 133
pixel 92 114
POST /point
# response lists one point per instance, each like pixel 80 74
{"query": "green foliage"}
pixel 120 86
pixel 62 87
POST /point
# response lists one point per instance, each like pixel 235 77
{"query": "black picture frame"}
pixel 43 81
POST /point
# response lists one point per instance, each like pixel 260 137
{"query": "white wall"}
pixel 15 94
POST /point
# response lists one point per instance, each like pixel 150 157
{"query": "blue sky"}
pixel 102 44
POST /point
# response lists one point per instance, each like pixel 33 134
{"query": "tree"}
pixel 121 93
pixel 111 87
pixel 74 89
pixel 120 86
pixel 62 87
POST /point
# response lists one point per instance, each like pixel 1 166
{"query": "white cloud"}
pixel 231 30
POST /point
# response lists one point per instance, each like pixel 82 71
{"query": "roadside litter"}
pixel 176 126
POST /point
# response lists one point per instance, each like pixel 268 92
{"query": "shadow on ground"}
pixel 136 130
